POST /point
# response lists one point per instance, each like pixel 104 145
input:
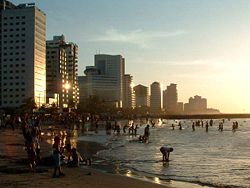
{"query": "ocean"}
pixel 211 158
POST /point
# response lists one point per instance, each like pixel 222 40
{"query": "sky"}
pixel 202 46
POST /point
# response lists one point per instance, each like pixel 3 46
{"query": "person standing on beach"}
pixel 206 126
pixel 57 157
pixel 165 150
pixel 146 132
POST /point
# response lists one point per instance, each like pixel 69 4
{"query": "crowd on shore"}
pixel 62 149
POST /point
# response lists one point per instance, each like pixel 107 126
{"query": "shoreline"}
pixel 108 167
pixel 16 174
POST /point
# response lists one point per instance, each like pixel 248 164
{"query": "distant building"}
pixel 105 79
pixel 155 97
pixel 141 96
pixel 196 104
pixel 180 107
pixel 23 54
pixel 62 72
pixel 170 99
pixel 128 93
pixel 83 89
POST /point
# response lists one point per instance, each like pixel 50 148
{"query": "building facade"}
pixel 196 104
pixel 155 96
pixel 128 93
pixel 62 76
pixel 141 96
pixel 111 69
pixel 23 54
pixel 170 99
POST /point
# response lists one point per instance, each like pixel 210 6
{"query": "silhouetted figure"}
pixel 193 126
pixel 146 132
pixel 165 150
pixel 57 157
pixel 211 122
pixel 172 126
pixel 220 126
pixel 180 126
pixel 206 126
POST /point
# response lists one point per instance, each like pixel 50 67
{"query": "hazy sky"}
pixel 203 46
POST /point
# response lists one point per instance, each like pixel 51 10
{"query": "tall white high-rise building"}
pixel 155 97
pixel 23 54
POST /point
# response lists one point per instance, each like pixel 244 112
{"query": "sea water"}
pixel 215 158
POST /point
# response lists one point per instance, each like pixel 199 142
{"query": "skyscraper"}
pixel 141 96
pixel 128 93
pixel 170 98
pixel 112 66
pixel 23 59
pixel 62 73
pixel 155 97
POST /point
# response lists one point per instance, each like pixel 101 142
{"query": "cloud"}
pixel 138 37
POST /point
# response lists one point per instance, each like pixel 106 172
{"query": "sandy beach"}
pixel 16 174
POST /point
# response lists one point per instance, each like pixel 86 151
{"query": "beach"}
pixel 16 174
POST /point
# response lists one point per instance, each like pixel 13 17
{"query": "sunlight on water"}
pixel 209 158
